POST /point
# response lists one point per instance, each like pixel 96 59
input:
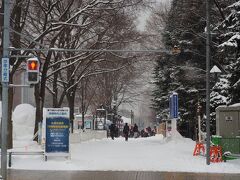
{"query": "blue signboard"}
pixel 57 135
pixel 5 69
pixel 173 105
pixel 57 131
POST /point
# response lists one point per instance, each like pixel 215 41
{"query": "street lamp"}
pixel 215 70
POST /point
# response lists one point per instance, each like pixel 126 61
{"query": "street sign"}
pixel 57 132
pixel 5 69
pixel 173 103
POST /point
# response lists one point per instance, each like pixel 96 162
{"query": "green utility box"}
pixel 228 144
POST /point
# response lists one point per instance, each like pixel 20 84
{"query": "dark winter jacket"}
pixel 126 129
pixel 112 128
pixel 135 128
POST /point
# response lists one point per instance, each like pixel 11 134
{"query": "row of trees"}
pixel 95 76
pixel 184 26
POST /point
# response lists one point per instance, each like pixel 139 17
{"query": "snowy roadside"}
pixel 142 154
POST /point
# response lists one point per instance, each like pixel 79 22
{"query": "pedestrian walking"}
pixel 135 131
pixel 126 131
pixel 131 133
pixel 112 129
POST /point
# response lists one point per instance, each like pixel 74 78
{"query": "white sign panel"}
pixel 58 112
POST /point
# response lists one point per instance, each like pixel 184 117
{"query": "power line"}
pixel 93 50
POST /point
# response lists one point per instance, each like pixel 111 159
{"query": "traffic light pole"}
pixel 4 127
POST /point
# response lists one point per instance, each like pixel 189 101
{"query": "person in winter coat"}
pixel 112 129
pixel 135 130
pixel 131 133
pixel 126 131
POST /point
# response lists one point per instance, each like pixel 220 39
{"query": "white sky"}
pixel 142 110
pixel 150 154
pixel 144 14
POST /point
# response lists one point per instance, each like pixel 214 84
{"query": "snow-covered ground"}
pixel 150 154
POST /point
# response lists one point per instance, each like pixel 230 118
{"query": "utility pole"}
pixel 208 41
pixel 132 117
pixel 114 108
pixel 83 108
pixel 5 81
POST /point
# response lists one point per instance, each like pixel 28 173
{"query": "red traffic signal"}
pixel 32 71
pixel 33 64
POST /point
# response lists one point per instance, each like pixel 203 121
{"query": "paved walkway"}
pixel 115 175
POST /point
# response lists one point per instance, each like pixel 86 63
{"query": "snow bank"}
pixel 175 137
pixel 235 105
pixel 140 154
pixel 23 122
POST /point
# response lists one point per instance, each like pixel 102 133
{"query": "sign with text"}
pixel 57 130
pixel 173 103
pixel 88 124
pixel 5 69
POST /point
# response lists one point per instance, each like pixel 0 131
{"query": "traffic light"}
pixel 32 71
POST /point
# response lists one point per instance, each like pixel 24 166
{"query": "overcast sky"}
pixel 144 14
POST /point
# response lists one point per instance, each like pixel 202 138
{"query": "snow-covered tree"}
pixel 183 72
pixel 226 88
pixel 231 46
pixel 69 24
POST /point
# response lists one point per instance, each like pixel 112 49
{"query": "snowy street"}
pixel 149 158
pixel 152 158
pixel 142 154
pixel 141 158
pixel 156 153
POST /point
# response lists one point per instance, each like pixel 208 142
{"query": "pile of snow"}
pixel 235 105
pixel 174 136
pixel 23 122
